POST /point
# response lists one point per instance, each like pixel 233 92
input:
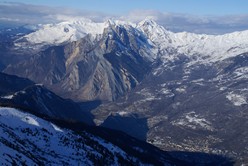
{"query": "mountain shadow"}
pixel 128 124
pixel 200 158
pixel 17 92
pixel 147 152
pixel 89 105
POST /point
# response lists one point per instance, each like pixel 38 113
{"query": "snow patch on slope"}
pixel 147 95
pixel 242 72
pixel 193 121
pixel 56 128
pixel 7 97
pixel 30 120
pixel 236 99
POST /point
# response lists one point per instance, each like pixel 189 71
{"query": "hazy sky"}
pixel 203 7
pixel 199 16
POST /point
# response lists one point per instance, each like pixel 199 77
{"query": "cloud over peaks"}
pixel 21 14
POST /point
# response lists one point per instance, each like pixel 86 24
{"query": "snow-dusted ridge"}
pixel 68 31
pixel 204 48
pixel 64 31
pixel 25 138
pixel 207 48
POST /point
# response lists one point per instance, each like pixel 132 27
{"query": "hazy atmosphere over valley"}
pixel 124 82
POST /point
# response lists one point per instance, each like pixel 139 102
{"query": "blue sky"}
pixel 198 7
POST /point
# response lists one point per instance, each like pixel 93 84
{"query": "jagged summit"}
pixel 151 25
pixel 75 29
pixel 116 22
pixel 64 31
pixel 113 48
pixel 217 47
pixel 148 22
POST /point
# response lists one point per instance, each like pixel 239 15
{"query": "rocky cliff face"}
pixel 103 67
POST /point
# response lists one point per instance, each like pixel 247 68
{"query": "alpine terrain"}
pixel 184 93
pixel 40 128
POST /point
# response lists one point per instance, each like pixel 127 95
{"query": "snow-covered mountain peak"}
pixel 207 48
pixel 148 22
pixel 151 25
pixel 116 22
pixel 155 32
pixel 214 47
pixel 54 34
pixel 119 23
pixel 68 30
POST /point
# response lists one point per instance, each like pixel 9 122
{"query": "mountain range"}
pixel 177 91
pixel 37 130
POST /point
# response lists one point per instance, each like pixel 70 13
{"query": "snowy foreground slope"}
pixel 29 140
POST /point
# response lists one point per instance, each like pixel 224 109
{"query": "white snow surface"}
pixel 236 99
pixel 65 31
pixel 7 97
pixel 22 134
pixel 242 72
pixel 147 95
pixel 56 128
pixel 193 121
